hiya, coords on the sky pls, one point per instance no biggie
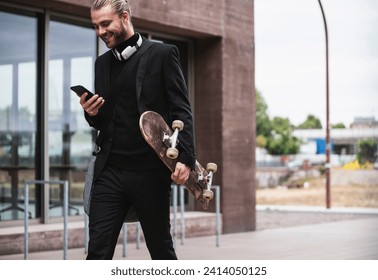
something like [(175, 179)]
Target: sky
[(290, 60)]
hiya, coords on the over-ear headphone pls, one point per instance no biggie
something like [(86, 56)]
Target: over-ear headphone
[(128, 51)]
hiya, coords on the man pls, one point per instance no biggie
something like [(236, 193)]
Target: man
[(134, 76)]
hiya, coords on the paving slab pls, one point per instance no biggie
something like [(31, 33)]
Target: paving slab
[(355, 239)]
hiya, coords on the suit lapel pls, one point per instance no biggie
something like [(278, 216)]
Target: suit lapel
[(141, 72), (105, 69)]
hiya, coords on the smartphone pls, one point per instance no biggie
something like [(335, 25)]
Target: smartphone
[(80, 90)]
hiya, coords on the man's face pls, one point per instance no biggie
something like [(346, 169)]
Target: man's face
[(110, 27)]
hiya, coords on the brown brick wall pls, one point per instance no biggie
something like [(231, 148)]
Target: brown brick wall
[(191, 17), (238, 113)]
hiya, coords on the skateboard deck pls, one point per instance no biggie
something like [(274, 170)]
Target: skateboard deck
[(154, 130)]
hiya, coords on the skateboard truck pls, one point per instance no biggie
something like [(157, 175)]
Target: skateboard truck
[(171, 141), (211, 169)]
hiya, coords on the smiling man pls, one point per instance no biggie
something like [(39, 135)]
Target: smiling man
[(134, 76)]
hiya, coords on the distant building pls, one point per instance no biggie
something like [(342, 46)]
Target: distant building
[(344, 143), (343, 140), (364, 122)]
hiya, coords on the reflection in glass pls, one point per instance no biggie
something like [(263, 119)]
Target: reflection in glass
[(17, 111), (72, 53)]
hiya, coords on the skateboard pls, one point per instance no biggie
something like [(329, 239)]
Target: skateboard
[(164, 139)]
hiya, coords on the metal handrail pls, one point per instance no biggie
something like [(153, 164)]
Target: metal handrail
[(65, 212)]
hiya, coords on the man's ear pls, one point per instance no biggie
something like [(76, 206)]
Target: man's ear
[(125, 16)]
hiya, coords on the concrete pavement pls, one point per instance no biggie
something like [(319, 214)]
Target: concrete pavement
[(338, 240)]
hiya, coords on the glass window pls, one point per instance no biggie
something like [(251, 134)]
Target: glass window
[(72, 51), (18, 35)]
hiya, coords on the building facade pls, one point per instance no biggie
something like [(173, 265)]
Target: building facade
[(47, 46)]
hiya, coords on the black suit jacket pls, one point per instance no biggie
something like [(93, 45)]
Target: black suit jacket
[(160, 87)]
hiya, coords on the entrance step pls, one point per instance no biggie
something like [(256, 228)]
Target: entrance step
[(45, 237)]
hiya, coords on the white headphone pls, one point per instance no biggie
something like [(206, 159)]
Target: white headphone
[(128, 51)]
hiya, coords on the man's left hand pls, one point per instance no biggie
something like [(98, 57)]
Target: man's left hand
[(181, 173)]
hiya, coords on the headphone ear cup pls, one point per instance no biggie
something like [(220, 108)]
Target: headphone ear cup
[(129, 51)]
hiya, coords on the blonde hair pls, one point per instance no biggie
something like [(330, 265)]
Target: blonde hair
[(118, 6)]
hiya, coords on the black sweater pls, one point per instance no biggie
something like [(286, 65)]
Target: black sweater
[(129, 150)]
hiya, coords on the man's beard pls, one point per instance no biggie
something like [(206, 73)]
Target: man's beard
[(119, 37)]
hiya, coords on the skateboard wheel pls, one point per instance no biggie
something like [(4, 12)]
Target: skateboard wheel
[(211, 167), (178, 124), (172, 153), (207, 194)]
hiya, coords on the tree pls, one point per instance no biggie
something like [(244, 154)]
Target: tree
[(263, 124), (274, 135), (282, 142), (338, 125), (261, 141), (311, 122), (367, 151)]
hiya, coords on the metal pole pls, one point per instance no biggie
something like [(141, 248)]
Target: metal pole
[(65, 219), (217, 214), (182, 206), (328, 144), (86, 233), (174, 215), (124, 229), (138, 235), (26, 210)]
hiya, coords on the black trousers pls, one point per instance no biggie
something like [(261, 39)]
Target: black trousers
[(114, 192)]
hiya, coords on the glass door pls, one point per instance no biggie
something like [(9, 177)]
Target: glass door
[(72, 51), (18, 35)]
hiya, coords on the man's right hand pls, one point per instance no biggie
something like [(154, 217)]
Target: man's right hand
[(92, 105)]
